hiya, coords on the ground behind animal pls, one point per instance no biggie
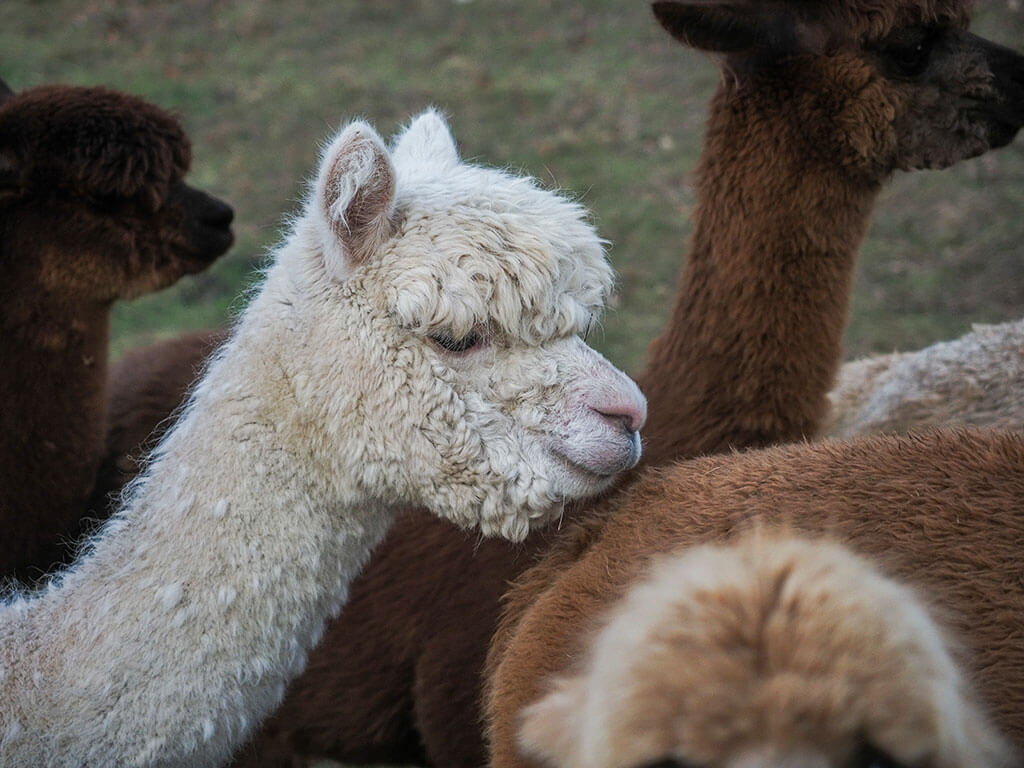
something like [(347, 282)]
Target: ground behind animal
[(591, 97)]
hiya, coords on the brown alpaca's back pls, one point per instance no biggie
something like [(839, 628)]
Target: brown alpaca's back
[(942, 511), (774, 649), (799, 142), (92, 209)]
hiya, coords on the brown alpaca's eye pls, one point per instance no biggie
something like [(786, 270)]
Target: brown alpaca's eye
[(461, 344), (908, 51), (667, 762), (870, 756)]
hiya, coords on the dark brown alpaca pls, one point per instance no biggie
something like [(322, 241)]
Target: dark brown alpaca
[(92, 209), (811, 118)]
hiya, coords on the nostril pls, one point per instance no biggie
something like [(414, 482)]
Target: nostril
[(218, 213), (629, 416)]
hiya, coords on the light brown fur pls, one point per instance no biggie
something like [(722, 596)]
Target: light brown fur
[(774, 650), (941, 511)]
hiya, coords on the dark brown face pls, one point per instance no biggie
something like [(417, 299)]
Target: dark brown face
[(91, 192), (872, 87), (956, 95)]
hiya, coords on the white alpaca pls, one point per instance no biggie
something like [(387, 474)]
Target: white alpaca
[(976, 380), (774, 651), (416, 342)]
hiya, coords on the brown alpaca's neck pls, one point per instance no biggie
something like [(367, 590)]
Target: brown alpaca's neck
[(755, 336), (53, 386)]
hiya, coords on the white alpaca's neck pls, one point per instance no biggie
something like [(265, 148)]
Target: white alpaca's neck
[(216, 579)]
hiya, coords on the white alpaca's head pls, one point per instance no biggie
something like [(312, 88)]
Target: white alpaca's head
[(447, 302), (771, 652)]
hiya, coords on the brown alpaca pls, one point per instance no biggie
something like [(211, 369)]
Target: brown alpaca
[(92, 209), (796, 151), (775, 650), (941, 511)]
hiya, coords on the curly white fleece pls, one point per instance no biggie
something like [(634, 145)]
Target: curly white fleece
[(329, 407)]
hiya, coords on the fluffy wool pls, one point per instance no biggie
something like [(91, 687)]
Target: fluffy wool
[(976, 380), (336, 399), (774, 650)]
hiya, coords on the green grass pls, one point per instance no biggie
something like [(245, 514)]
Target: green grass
[(591, 97)]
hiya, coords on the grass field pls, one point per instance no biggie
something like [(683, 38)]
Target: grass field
[(589, 96)]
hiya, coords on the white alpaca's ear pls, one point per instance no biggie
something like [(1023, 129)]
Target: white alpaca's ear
[(355, 193), (427, 139), (551, 728)]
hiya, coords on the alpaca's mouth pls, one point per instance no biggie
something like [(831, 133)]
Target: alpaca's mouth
[(579, 482), (598, 460)]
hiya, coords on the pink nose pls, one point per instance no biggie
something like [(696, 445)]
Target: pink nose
[(631, 413)]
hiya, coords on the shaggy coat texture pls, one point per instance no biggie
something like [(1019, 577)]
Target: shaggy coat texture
[(416, 341), (976, 380), (92, 209), (775, 651), (940, 511), (147, 386), (796, 150), (798, 144)]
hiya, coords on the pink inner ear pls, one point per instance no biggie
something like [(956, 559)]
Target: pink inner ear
[(369, 202), (358, 194)]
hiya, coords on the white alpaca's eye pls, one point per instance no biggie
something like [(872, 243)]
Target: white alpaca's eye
[(452, 344)]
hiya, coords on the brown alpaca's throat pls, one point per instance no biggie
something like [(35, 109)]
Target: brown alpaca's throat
[(62, 363), (764, 294)]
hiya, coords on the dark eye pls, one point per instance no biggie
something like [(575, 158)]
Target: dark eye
[(453, 344), (870, 756), (908, 51), (666, 762)]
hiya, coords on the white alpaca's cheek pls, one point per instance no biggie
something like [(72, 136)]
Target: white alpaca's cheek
[(578, 411)]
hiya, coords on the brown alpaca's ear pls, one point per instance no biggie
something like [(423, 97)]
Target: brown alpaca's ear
[(355, 193), (5, 92), (729, 27)]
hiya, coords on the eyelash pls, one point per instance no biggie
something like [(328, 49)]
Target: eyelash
[(463, 344)]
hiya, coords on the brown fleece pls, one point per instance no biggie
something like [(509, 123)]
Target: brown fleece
[(92, 209), (940, 510)]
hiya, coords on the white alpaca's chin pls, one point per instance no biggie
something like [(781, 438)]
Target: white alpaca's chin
[(598, 459), (572, 481)]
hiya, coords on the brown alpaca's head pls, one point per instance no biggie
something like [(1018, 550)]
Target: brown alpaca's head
[(771, 652), (875, 85), (92, 203)]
